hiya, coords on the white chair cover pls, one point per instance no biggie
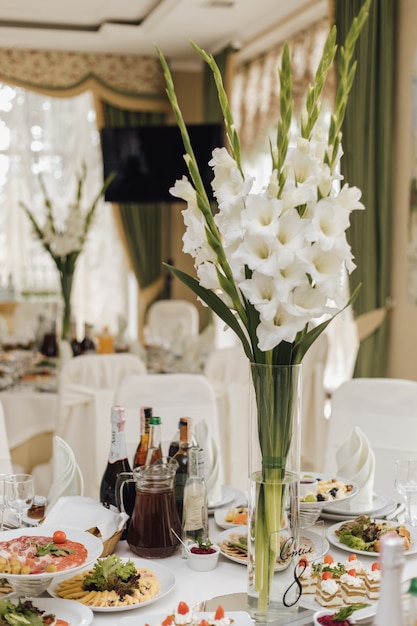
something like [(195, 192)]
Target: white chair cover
[(228, 371), (385, 409), (67, 476), (87, 387), (5, 459), (172, 396), (170, 322)]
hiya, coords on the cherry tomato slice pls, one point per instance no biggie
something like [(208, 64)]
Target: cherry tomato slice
[(219, 614), (183, 608)]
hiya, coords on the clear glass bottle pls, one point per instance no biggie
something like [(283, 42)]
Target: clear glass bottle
[(390, 609), (143, 445), (175, 441), (195, 509), (154, 450), (181, 457), (117, 461)]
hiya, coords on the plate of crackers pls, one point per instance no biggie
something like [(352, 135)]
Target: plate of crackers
[(116, 584), (233, 544)]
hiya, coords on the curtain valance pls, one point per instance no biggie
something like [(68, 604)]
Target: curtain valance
[(255, 94), (124, 80)]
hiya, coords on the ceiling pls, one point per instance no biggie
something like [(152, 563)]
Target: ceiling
[(135, 26)]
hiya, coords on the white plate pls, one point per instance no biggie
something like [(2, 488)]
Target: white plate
[(166, 579), (307, 601), (334, 539), (93, 544), (72, 612), (321, 545), (4, 596), (378, 503), (228, 495), (338, 517), (240, 618), (326, 503), (220, 518)]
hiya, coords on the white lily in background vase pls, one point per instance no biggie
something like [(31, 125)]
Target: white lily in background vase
[(270, 265), (65, 244)]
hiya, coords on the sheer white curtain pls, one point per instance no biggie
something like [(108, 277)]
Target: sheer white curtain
[(53, 136)]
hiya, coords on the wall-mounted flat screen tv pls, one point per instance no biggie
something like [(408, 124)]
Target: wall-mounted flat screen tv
[(149, 159)]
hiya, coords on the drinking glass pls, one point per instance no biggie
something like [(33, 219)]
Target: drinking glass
[(2, 499), (19, 493), (406, 485)]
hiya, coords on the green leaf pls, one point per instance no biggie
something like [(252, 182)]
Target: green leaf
[(215, 304), (346, 611)]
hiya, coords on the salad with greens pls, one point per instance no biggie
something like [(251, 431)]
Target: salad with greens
[(24, 613)]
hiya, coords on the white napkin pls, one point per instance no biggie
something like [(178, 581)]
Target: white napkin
[(212, 470), (356, 462), (85, 513)]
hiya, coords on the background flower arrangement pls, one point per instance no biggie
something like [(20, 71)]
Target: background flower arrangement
[(270, 264), (65, 243)]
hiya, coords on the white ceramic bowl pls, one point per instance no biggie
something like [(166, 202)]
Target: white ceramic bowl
[(318, 614), (203, 562)]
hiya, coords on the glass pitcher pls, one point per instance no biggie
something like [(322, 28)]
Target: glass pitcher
[(154, 515)]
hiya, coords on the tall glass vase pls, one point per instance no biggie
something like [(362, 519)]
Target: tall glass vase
[(66, 279), (274, 465)]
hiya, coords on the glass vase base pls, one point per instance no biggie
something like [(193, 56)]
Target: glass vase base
[(276, 612)]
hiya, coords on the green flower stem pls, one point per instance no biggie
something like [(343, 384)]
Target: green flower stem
[(276, 397), (66, 280)]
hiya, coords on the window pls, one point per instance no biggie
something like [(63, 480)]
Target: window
[(53, 136)]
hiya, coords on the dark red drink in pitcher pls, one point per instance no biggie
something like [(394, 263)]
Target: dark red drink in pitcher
[(155, 514)]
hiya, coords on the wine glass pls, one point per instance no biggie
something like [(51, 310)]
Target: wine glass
[(19, 493), (406, 485)]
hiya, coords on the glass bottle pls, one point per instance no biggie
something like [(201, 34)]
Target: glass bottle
[(182, 459), (75, 344), (175, 441), (49, 346), (154, 450), (117, 461), (105, 342), (87, 344), (195, 509), (143, 445), (390, 609)]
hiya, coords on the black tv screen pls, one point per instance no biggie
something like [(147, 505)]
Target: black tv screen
[(149, 159)]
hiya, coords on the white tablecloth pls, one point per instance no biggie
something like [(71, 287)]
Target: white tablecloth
[(28, 412), (228, 578)]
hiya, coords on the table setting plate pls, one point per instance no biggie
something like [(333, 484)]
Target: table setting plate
[(228, 495), (390, 504), (220, 517), (378, 503), (312, 541), (74, 613), (240, 618), (166, 579), (334, 540), (327, 503)]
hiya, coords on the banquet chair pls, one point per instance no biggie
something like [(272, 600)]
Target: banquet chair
[(172, 396), (86, 393), (5, 458), (67, 479), (385, 409), (170, 322)]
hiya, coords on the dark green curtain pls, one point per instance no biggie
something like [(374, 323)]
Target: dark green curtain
[(367, 144), (142, 223)]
